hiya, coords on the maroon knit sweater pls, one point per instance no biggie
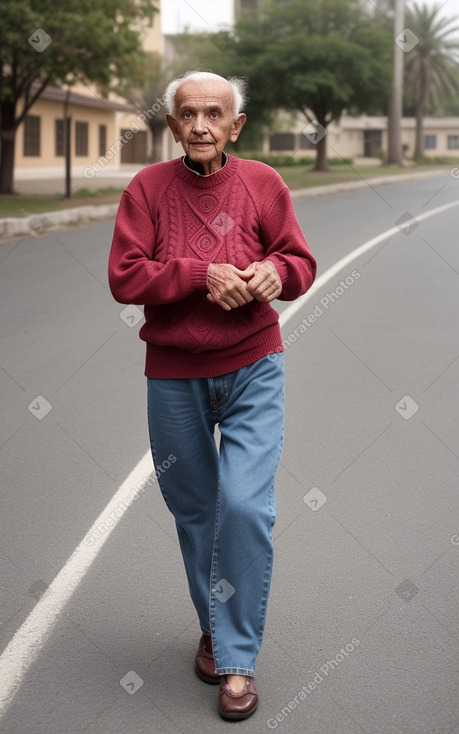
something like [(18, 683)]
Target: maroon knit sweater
[(171, 224)]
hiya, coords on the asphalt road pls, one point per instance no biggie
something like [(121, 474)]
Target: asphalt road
[(362, 632)]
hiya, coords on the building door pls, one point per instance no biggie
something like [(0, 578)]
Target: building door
[(372, 142), (135, 149)]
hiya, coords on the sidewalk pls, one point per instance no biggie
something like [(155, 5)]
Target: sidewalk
[(27, 181), (52, 181), (39, 224)]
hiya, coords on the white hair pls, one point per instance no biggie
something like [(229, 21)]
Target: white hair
[(238, 84)]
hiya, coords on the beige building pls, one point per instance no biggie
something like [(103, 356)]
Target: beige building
[(105, 132), (364, 137), (40, 140)]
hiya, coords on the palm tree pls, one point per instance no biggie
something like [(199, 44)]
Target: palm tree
[(431, 65)]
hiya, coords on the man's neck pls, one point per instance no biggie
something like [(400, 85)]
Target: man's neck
[(198, 168)]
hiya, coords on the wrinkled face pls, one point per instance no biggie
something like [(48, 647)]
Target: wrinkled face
[(204, 121)]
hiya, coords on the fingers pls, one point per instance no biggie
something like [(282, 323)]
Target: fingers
[(265, 284), (226, 287), (231, 288), (266, 292), (228, 302)]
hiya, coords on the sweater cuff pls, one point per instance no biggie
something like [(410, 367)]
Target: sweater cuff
[(199, 274)]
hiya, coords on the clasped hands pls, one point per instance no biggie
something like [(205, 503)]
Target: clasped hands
[(230, 287)]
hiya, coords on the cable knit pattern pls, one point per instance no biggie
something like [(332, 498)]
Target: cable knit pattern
[(170, 225)]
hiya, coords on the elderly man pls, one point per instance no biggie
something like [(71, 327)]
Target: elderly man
[(206, 242)]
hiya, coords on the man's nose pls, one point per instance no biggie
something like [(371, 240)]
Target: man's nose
[(200, 124)]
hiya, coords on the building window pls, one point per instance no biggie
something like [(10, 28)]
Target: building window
[(81, 138), (453, 142), (32, 135), (59, 138), (282, 141), (102, 139), (305, 143), (135, 148), (372, 143), (430, 142)]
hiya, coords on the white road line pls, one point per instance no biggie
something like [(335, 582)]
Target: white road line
[(29, 639), (323, 279), (32, 635)]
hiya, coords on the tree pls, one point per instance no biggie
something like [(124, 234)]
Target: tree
[(144, 96), (431, 65), (395, 112), (219, 52), (448, 105), (43, 43), (318, 57)]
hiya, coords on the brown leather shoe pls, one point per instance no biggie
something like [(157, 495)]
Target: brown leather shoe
[(204, 661), (237, 705)]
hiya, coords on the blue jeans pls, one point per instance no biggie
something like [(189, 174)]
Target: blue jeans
[(223, 498)]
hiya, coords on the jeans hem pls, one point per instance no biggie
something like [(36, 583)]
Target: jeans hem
[(236, 671)]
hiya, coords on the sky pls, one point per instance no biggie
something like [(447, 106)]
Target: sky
[(196, 14), (211, 14)]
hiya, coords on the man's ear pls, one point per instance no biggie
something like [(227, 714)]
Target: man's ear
[(173, 126), (238, 124)]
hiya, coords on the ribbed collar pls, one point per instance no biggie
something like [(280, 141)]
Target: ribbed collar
[(206, 182), (187, 162)]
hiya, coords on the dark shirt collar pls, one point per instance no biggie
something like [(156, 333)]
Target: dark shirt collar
[(187, 163)]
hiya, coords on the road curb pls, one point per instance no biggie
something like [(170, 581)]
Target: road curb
[(313, 191), (38, 224)]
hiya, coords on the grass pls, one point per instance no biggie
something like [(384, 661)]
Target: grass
[(24, 205), (299, 177)]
